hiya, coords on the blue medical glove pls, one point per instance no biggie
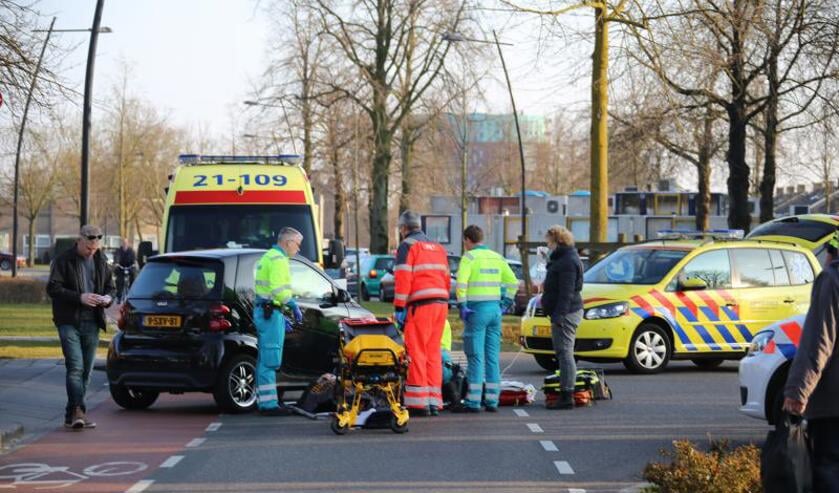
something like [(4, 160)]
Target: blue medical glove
[(298, 314), (464, 311), (399, 317), (289, 326), (506, 303)]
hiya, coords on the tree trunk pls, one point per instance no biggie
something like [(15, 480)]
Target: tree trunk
[(703, 168), (770, 144), (340, 198), (738, 169), (406, 152), (30, 257), (599, 130), (381, 169)]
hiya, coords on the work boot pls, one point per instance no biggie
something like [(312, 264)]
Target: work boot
[(275, 411), (492, 409), (78, 419), (416, 412), (566, 400), (463, 408), (433, 411)]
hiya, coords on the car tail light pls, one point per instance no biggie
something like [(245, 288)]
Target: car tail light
[(218, 317), (373, 274), (123, 316)]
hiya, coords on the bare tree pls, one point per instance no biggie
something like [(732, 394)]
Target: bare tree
[(372, 36)]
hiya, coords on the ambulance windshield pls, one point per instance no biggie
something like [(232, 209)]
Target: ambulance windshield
[(197, 227)]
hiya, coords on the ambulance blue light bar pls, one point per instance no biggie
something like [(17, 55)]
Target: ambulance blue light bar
[(288, 159), (720, 234)]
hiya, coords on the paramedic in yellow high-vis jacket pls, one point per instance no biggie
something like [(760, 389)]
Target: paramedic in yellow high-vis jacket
[(273, 290)]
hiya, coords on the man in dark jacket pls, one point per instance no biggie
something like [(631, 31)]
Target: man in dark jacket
[(561, 301), (813, 383), (80, 286), (125, 259)]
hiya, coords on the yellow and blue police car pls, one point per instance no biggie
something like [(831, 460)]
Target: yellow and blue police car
[(699, 297)]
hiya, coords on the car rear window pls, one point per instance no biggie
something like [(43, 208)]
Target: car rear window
[(384, 263), (797, 228), (179, 279)]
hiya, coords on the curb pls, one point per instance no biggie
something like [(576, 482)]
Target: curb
[(9, 435), (102, 342)]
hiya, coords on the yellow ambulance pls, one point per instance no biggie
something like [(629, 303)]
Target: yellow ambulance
[(680, 297), (239, 202)]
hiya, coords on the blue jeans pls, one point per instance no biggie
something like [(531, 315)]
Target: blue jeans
[(824, 436), (482, 345), (563, 333), (79, 347)]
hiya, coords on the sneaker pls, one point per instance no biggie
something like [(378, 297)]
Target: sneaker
[(416, 412), (275, 411), (461, 408), (68, 423), (78, 419), (89, 424)]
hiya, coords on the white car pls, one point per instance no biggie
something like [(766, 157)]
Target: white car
[(763, 372)]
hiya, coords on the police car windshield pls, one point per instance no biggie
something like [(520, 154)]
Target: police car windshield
[(197, 227), (634, 266), (804, 229)]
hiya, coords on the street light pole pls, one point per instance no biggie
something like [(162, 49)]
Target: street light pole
[(88, 90), (285, 117), (523, 239), (20, 145)]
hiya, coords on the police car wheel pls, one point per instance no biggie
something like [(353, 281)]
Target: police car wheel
[(649, 350), (235, 390), (364, 294), (129, 398)]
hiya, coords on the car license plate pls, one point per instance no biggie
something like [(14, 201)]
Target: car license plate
[(541, 331), (162, 321)]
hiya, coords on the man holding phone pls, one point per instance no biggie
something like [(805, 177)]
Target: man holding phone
[(81, 287)]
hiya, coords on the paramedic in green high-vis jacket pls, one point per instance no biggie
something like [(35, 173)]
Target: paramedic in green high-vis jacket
[(273, 291), (486, 286)]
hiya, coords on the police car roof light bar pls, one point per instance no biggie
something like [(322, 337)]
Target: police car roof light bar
[(287, 159), (718, 234)]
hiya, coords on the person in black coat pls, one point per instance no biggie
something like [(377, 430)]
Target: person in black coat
[(81, 287), (562, 302)]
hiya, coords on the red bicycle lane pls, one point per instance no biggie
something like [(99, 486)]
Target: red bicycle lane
[(124, 448)]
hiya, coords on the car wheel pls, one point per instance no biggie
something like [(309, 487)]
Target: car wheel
[(235, 390), (707, 364), (5, 264), (364, 294), (649, 350), (129, 398), (546, 361)]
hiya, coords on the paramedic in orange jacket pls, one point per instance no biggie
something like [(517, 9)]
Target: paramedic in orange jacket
[(421, 306)]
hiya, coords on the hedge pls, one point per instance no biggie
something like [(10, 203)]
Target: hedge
[(21, 290)]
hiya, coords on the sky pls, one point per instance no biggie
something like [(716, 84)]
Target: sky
[(197, 59)]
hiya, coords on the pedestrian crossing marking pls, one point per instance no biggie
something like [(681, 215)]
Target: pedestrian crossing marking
[(213, 426), (535, 428), (140, 486), (172, 461), (563, 467), (196, 442), (549, 446), (521, 413)]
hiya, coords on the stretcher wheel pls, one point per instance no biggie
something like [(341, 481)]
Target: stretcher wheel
[(337, 428), (394, 425)]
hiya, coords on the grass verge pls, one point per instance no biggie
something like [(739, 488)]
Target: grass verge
[(31, 319), (37, 349)]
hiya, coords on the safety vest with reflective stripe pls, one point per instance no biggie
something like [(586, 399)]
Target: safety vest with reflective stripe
[(273, 279), (421, 271), (446, 340), (484, 275)]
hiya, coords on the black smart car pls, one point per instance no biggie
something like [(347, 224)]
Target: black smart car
[(187, 326)]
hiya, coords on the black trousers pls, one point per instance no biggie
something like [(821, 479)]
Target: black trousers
[(824, 436)]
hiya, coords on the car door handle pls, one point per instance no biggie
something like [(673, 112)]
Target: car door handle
[(731, 305), (789, 300)]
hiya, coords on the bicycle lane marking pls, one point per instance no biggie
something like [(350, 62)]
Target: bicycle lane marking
[(125, 448)]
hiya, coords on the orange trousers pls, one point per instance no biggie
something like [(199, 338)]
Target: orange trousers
[(423, 331)]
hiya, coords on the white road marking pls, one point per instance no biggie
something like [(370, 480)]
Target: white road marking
[(521, 413), (213, 426), (576, 490), (535, 428), (563, 467), (196, 442), (549, 446), (140, 486), (172, 461)]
